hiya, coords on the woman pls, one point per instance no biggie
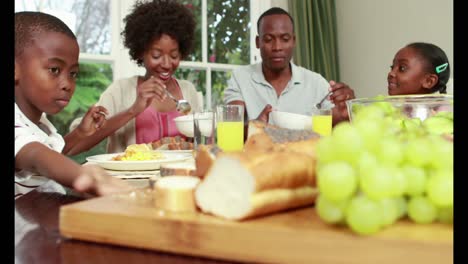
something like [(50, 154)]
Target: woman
[(158, 34)]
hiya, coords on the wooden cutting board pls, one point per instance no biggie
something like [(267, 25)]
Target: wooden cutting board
[(295, 236)]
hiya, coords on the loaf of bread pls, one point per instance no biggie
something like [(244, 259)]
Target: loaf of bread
[(242, 185), (267, 137), (175, 193), (205, 155)]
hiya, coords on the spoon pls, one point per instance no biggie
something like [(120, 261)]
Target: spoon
[(319, 104), (182, 106)]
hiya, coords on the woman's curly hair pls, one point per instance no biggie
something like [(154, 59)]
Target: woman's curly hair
[(149, 20)]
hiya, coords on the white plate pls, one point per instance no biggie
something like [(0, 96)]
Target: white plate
[(105, 161), (179, 151)]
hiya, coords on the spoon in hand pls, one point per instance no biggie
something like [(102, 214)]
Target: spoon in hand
[(182, 106), (319, 104)]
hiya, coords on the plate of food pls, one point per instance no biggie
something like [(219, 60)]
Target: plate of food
[(138, 157), (177, 151)]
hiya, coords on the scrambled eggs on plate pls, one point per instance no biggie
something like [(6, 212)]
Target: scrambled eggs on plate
[(139, 152)]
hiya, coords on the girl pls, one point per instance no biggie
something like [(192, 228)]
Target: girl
[(419, 68)]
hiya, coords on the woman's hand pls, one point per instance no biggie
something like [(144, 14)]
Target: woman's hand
[(149, 90)]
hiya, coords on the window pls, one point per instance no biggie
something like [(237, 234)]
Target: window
[(225, 40)]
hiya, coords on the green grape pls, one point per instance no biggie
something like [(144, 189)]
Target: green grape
[(348, 142), (325, 150), (445, 114), (417, 152), (377, 183), (392, 126), (331, 212), (371, 133), (438, 125), (386, 107), (421, 210), (440, 188), (416, 179), (363, 215), (337, 181), (441, 154), (412, 125), (369, 113), (402, 206), (390, 151), (379, 97), (445, 214), (367, 162), (356, 108), (399, 184), (390, 211)]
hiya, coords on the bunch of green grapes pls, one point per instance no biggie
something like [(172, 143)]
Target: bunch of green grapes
[(382, 167)]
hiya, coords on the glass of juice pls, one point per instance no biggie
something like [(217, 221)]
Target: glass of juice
[(230, 127), (322, 121)]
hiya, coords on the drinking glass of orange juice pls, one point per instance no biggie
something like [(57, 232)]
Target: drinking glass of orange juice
[(230, 127), (322, 121)]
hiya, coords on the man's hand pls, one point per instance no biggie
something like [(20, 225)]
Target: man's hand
[(341, 92), (263, 116)]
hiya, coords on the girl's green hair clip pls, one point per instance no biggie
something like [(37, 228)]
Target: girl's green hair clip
[(441, 67)]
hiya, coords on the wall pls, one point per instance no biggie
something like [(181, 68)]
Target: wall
[(370, 32)]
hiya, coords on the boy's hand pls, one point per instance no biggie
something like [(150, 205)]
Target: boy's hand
[(93, 120), (95, 180)]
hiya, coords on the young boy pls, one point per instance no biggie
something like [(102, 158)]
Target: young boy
[(46, 65)]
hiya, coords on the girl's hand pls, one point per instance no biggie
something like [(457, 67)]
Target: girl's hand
[(92, 121), (151, 89)]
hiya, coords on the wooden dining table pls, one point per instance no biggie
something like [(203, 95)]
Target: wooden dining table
[(44, 215), (38, 240)]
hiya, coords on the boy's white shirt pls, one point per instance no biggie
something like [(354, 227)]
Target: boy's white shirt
[(25, 133)]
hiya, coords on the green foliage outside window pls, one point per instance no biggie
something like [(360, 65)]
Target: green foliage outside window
[(228, 42), (92, 80)]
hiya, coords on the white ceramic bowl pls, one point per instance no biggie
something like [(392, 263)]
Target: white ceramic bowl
[(291, 120), (185, 124)]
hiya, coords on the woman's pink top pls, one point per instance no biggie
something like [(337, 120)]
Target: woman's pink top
[(152, 125)]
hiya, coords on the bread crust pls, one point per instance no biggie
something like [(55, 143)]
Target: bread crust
[(276, 200), (266, 137), (285, 169)]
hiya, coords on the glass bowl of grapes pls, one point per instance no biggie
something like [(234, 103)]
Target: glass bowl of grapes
[(411, 106), (392, 162), (434, 111)]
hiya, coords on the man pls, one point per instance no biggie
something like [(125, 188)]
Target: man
[(276, 82)]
